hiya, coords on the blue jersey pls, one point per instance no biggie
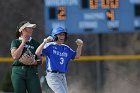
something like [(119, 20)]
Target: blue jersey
[(57, 56)]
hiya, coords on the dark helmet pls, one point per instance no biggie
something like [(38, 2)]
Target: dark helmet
[(58, 30)]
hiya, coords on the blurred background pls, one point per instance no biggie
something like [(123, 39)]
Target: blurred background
[(110, 30)]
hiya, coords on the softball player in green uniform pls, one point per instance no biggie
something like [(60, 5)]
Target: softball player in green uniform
[(24, 68)]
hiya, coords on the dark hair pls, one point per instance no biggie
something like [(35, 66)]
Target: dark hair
[(18, 34)]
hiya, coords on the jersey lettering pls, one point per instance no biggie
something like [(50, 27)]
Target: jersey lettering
[(63, 54), (29, 46)]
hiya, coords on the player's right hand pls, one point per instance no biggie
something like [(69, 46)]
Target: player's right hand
[(48, 39), (25, 38)]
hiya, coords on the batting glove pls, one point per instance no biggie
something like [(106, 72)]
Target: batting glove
[(79, 42), (48, 39)]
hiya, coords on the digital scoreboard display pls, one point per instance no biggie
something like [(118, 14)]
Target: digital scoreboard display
[(92, 16)]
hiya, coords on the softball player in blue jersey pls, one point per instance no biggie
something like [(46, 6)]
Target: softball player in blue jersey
[(58, 55)]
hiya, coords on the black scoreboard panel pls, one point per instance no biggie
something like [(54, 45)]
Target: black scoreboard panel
[(92, 16)]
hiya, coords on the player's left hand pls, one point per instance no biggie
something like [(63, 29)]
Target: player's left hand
[(79, 42), (27, 59)]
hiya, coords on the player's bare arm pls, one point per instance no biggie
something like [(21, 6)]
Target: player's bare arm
[(16, 53), (39, 49), (79, 43)]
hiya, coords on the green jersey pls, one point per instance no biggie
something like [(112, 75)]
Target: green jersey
[(31, 45)]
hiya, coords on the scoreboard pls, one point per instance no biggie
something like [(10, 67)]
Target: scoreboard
[(92, 16)]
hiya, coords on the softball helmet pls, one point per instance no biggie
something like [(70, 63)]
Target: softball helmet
[(58, 30)]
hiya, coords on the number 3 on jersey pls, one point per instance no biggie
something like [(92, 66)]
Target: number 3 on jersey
[(61, 60)]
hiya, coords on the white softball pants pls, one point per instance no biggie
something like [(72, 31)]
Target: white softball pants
[(57, 82)]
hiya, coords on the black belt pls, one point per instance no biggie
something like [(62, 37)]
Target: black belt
[(54, 71)]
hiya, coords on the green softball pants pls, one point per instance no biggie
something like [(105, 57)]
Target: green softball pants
[(25, 78)]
